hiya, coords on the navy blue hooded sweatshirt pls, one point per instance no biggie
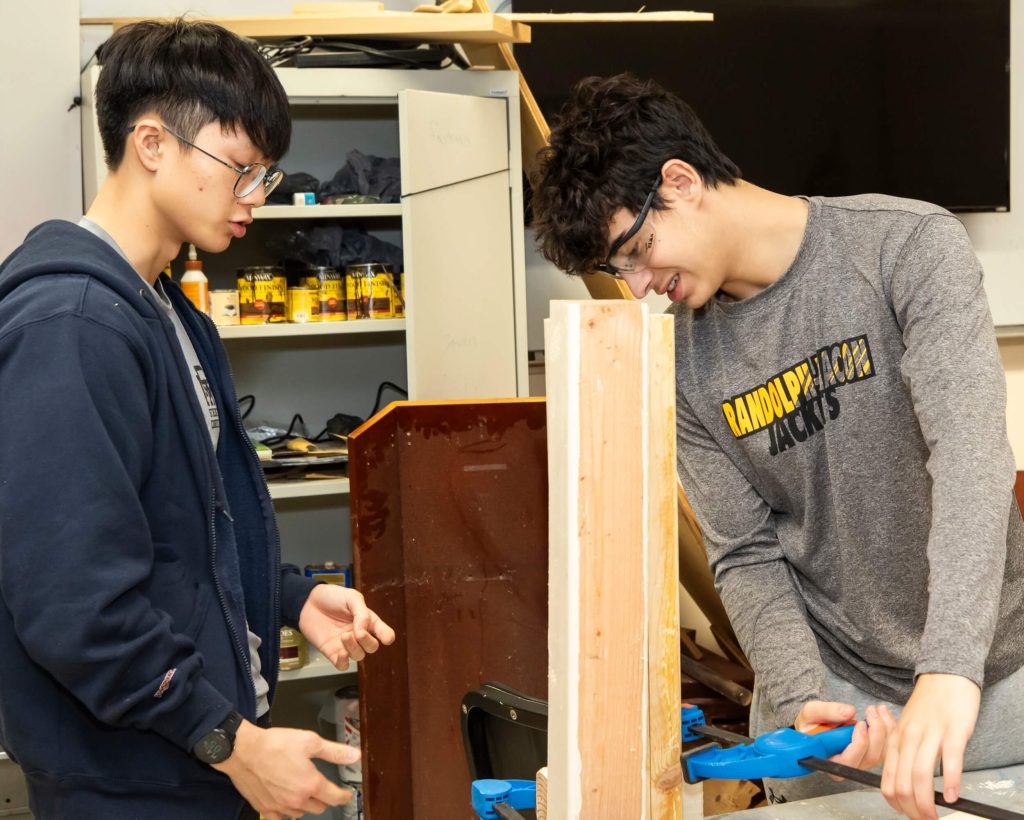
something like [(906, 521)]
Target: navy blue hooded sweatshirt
[(131, 555)]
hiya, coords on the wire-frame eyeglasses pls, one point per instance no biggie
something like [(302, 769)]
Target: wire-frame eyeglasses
[(249, 177)]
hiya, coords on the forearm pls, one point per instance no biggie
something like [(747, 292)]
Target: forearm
[(771, 624)]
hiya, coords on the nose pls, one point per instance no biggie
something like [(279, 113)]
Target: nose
[(255, 198), (638, 282)]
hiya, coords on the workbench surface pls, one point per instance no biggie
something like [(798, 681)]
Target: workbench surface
[(995, 787)]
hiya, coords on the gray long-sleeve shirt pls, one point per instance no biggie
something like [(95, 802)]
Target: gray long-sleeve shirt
[(842, 439)]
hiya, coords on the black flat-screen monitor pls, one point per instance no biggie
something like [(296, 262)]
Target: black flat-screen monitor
[(833, 97)]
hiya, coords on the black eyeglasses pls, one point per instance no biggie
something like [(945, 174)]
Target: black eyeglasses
[(249, 177), (630, 262)]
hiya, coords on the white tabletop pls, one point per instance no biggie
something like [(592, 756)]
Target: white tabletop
[(1003, 788)]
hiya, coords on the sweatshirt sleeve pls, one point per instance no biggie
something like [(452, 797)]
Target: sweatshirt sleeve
[(751, 574), (75, 545), (958, 388)]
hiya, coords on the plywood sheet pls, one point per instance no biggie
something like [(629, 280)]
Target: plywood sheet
[(450, 543)]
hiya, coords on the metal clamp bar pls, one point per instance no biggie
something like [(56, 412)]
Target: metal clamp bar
[(872, 779)]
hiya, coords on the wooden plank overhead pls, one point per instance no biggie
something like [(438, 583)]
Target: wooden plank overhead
[(395, 25), (613, 17)]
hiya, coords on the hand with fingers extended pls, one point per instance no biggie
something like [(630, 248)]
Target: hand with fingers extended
[(938, 720), (337, 621), (867, 746), (273, 769)]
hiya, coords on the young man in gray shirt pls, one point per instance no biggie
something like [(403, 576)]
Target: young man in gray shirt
[(841, 431)]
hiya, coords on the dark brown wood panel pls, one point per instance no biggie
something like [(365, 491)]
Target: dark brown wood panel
[(449, 516)]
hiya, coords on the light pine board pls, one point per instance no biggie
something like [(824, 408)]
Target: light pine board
[(394, 25), (604, 528), (663, 672)]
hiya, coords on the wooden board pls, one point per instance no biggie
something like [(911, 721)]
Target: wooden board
[(663, 673), (395, 25), (614, 17), (450, 544), (613, 694)]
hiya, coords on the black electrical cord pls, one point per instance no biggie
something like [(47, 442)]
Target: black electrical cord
[(279, 53), (380, 392), (251, 399), (296, 420)]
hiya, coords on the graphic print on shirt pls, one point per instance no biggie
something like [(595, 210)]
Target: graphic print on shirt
[(212, 413), (798, 402)]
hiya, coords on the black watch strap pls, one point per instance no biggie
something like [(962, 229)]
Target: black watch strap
[(231, 723), (217, 745)]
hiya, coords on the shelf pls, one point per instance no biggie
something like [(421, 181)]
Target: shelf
[(302, 488), (394, 25), (325, 211), (282, 329), (318, 667)]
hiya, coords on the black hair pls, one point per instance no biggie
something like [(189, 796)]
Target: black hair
[(190, 73), (606, 151)]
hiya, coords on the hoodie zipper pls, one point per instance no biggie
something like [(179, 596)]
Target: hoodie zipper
[(242, 651), (273, 639)]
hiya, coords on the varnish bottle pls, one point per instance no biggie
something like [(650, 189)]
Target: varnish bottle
[(194, 282)]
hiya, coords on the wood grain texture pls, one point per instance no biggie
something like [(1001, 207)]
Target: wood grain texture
[(613, 17), (393, 25), (662, 573), (597, 610), (542, 794), (613, 610), (613, 728), (561, 345)]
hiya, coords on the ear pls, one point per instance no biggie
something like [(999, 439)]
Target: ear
[(681, 181), (148, 142)]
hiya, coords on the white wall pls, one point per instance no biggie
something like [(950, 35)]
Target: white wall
[(999, 238), (39, 140)]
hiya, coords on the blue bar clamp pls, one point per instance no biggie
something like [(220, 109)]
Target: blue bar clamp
[(516, 794)]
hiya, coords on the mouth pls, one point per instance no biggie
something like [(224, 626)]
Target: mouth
[(238, 228), (671, 287)]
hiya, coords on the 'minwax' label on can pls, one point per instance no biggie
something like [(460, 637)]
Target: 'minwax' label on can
[(262, 295), (329, 284), (371, 289)]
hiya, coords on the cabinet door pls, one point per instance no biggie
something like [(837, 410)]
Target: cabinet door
[(457, 233)]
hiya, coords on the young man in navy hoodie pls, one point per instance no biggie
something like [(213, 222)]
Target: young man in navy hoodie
[(141, 589)]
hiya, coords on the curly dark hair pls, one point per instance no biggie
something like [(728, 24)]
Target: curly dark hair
[(606, 150)]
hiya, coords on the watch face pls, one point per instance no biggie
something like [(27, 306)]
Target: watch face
[(214, 747)]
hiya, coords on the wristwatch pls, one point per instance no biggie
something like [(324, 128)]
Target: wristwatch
[(217, 744)]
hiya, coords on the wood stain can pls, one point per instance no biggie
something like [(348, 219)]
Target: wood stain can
[(294, 652), (262, 295), (303, 305), (224, 307), (398, 283), (329, 285), (371, 288)]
